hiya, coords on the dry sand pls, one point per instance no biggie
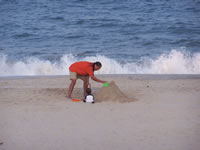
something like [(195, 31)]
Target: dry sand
[(160, 112), (111, 93)]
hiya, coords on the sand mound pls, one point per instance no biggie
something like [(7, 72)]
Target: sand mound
[(111, 93)]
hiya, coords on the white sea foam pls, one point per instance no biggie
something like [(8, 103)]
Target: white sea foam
[(175, 62)]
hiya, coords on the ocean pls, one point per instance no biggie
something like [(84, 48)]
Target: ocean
[(44, 37)]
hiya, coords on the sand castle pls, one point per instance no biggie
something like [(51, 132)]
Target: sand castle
[(111, 93)]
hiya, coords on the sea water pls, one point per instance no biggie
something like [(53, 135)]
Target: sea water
[(44, 37)]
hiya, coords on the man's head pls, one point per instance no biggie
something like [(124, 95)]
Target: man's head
[(96, 66)]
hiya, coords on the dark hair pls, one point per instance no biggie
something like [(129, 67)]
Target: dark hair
[(88, 90), (96, 63)]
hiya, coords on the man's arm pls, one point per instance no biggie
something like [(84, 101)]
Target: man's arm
[(97, 80)]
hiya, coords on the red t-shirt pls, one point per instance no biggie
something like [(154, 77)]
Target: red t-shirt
[(82, 68)]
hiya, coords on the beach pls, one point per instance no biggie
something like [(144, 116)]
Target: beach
[(150, 56), (162, 113)]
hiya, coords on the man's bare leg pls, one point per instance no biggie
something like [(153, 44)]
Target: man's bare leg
[(71, 87), (85, 83)]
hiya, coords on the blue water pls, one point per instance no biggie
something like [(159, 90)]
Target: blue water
[(43, 37)]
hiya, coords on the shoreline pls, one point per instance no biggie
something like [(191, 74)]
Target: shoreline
[(136, 76)]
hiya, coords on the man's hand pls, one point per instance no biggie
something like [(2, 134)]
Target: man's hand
[(97, 80)]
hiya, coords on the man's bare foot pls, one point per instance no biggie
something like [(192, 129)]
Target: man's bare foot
[(68, 97)]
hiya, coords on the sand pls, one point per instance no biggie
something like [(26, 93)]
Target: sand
[(111, 93), (162, 113)]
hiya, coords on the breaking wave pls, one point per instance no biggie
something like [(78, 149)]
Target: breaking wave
[(174, 62)]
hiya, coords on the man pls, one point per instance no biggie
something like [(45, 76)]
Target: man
[(82, 70)]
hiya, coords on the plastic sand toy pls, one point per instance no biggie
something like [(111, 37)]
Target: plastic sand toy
[(75, 100), (106, 84)]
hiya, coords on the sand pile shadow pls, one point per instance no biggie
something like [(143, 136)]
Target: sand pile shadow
[(111, 93)]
